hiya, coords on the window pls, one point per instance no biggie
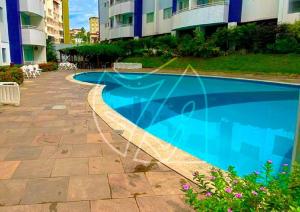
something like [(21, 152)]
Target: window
[(1, 14), (294, 6), (168, 13), (183, 4), (150, 17), (4, 59), (111, 22)]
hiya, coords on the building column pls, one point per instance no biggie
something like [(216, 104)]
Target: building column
[(138, 18), (14, 31), (232, 25)]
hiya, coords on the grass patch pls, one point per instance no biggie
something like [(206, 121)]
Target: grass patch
[(148, 62), (250, 63)]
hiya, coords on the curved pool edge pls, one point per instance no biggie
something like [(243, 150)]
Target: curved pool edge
[(174, 158)]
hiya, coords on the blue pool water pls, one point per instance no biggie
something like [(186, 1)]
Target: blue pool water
[(221, 121)]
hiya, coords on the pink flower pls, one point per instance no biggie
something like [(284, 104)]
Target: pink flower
[(229, 210), (269, 161), (208, 194), (285, 164), (235, 181), (195, 174), (228, 190), (254, 193), (212, 178), (262, 188), (239, 195), (256, 172), (186, 187)]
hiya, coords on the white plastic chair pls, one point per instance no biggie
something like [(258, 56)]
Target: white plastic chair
[(25, 71), (37, 69), (32, 71)]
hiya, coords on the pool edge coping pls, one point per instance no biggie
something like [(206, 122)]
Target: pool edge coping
[(159, 149)]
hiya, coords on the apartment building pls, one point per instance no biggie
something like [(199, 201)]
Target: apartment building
[(26, 31), (4, 39), (94, 29), (54, 20), (139, 18)]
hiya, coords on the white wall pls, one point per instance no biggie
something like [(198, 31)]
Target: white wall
[(4, 39), (283, 14), (202, 16), (33, 37), (256, 10), (40, 54), (121, 8), (33, 6)]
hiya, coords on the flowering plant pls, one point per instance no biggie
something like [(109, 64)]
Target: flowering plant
[(263, 191)]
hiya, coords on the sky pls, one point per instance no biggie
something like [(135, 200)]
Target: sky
[(81, 11)]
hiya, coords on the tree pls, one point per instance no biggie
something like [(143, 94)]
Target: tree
[(50, 51)]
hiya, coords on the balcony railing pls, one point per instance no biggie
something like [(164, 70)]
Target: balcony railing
[(119, 2), (210, 4)]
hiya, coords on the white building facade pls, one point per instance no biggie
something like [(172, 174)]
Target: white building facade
[(140, 18), (4, 45)]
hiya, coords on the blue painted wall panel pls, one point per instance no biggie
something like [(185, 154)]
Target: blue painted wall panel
[(138, 18), (235, 10), (174, 6), (14, 31)]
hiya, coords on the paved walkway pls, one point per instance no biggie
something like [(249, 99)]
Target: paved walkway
[(52, 157)]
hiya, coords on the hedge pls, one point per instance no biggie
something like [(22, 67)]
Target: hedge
[(11, 74), (48, 66)]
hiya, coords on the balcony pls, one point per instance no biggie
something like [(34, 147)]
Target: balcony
[(32, 6), (31, 35), (121, 7), (215, 12), (125, 31)]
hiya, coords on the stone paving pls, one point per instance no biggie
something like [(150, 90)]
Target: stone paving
[(52, 157)]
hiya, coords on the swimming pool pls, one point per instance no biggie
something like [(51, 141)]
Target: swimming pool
[(221, 121)]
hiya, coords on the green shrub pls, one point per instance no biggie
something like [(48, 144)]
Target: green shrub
[(256, 192), (284, 45), (48, 66), (11, 74)]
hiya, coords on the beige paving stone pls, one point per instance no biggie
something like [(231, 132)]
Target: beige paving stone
[(63, 151), (102, 165), (83, 206), (129, 185), (163, 203), (24, 153), (74, 139), (34, 169), (48, 152), (86, 150), (7, 169), (114, 205), (11, 191), (90, 187), (70, 167), (138, 165), (46, 139), (46, 190), (22, 208), (164, 183), (94, 138), (3, 153)]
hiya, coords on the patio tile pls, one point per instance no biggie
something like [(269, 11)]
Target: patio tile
[(24, 153), (7, 169), (114, 205), (34, 169), (63, 151), (94, 138), (86, 150), (74, 139), (45, 139), (83, 206), (22, 208), (163, 203), (11, 191), (164, 183), (46, 190), (90, 187), (132, 165), (3, 153), (70, 167), (100, 165), (48, 152), (129, 185)]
